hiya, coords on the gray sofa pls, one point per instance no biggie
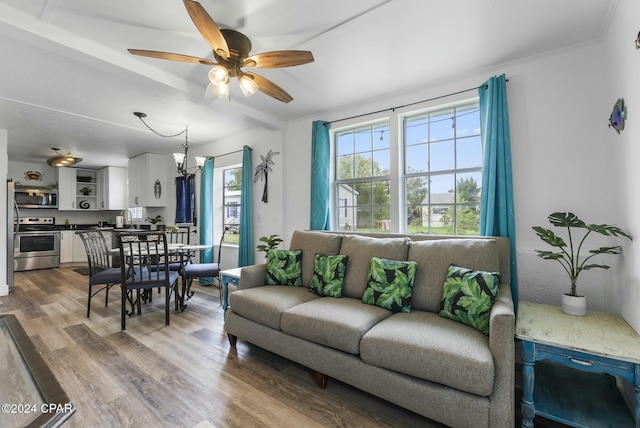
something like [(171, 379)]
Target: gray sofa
[(434, 366)]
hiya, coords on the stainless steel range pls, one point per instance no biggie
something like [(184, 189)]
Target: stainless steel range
[(36, 244)]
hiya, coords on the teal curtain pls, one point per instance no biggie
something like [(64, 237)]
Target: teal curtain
[(206, 215), (320, 167), (245, 251), (497, 215)]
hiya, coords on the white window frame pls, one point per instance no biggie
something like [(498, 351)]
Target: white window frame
[(395, 118)]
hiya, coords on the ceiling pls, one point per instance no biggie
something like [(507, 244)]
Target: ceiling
[(68, 81)]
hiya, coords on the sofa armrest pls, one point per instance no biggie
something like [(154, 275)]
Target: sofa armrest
[(502, 321), (502, 344), (252, 276)]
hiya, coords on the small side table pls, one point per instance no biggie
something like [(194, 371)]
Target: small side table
[(228, 277), (566, 363)]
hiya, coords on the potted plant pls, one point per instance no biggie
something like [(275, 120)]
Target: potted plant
[(86, 191), (154, 221), (571, 257), (270, 242)]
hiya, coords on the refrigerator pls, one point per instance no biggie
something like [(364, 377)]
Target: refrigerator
[(12, 222)]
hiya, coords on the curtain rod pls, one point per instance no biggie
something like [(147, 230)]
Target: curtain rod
[(227, 154), (408, 105)]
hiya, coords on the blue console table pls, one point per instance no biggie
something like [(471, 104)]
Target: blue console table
[(570, 365), (229, 277)]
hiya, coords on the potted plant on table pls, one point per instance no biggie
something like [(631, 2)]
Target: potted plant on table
[(569, 255), (154, 221)]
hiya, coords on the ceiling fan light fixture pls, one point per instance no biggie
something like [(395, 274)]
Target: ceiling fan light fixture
[(221, 91), (247, 85), (219, 75)]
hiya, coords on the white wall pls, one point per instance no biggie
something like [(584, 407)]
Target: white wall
[(562, 161), (268, 217), (4, 168), (621, 63)]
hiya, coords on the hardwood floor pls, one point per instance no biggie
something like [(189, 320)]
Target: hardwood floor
[(181, 375)]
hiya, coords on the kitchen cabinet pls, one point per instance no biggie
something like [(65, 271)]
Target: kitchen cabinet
[(148, 180), (112, 192), (79, 252), (66, 246), (72, 248), (77, 189)]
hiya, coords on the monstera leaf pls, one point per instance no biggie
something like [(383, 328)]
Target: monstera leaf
[(569, 255)]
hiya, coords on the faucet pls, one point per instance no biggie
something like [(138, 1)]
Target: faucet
[(127, 217)]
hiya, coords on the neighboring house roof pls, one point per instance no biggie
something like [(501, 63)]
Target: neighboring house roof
[(438, 198)]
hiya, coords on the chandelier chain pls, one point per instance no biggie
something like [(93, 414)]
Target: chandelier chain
[(185, 131)]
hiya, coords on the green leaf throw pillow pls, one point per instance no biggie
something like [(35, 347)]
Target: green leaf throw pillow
[(328, 275), (390, 284), (468, 296), (284, 267)]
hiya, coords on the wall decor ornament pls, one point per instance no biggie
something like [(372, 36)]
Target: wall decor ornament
[(618, 115), (33, 175), (262, 171), (638, 41)]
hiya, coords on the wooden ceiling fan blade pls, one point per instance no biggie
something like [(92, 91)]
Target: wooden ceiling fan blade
[(207, 27), (270, 88), (170, 56), (278, 59)]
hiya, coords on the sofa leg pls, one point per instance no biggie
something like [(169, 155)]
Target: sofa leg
[(232, 340), (321, 380)]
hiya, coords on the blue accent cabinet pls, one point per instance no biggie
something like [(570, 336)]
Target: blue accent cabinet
[(575, 368)]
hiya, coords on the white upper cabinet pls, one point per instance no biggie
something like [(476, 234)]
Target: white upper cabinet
[(112, 182), (77, 189), (148, 180)]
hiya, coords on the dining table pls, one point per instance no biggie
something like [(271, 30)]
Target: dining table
[(185, 252)]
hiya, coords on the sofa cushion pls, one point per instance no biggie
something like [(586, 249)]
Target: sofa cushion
[(434, 258), (432, 348), (265, 304), (284, 267), (337, 323), (312, 243), (468, 296), (361, 250), (389, 284), (328, 275)]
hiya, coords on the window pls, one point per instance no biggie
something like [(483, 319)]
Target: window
[(436, 177), (362, 159), (231, 193), (443, 171)]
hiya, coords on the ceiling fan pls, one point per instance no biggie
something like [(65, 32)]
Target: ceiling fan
[(231, 51)]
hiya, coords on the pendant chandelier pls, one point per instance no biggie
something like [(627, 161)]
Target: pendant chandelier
[(61, 160), (181, 159)]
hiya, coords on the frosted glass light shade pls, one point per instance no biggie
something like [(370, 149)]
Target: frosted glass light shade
[(247, 85), (178, 158), (218, 75)]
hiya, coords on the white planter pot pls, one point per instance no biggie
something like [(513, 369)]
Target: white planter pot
[(574, 305), (153, 227)]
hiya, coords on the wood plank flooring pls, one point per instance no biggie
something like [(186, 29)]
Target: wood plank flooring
[(181, 375)]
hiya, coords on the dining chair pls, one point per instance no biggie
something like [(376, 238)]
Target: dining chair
[(99, 260), (143, 266), (192, 271), (181, 235)]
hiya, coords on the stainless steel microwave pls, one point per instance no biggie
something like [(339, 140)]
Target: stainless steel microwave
[(36, 198)]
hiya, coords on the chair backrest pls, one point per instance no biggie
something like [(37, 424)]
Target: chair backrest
[(182, 235), (97, 250), (143, 258)]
